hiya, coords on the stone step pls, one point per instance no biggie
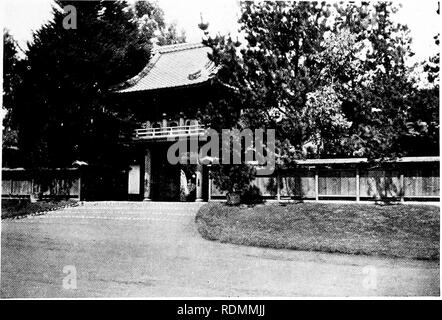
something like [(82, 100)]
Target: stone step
[(134, 207), (138, 204)]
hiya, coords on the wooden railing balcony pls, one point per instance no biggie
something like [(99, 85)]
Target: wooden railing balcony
[(169, 132)]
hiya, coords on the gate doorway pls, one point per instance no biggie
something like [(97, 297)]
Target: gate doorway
[(171, 182), (165, 179), (188, 182)]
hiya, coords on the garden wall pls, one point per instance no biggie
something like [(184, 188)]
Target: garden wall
[(410, 178), (47, 183)]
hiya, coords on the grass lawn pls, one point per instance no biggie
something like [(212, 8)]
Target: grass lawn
[(14, 208), (408, 231)]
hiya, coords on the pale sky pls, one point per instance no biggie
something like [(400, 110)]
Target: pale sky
[(21, 17)]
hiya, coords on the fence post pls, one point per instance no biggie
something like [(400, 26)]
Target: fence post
[(79, 184), (278, 191), (401, 182), (210, 188), (358, 197), (317, 184), (32, 196), (199, 183)]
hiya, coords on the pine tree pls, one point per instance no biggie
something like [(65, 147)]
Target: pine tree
[(64, 104), (331, 76), (11, 79)]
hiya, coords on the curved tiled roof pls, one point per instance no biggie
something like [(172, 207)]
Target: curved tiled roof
[(171, 66)]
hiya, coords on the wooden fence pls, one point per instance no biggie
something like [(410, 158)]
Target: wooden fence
[(416, 178), (410, 178), (49, 183)]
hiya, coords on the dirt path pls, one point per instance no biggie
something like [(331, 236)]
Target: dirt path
[(153, 250)]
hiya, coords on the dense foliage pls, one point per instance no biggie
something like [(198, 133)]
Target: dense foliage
[(233, 178), (333, 81), (11, 79), (62, 109)]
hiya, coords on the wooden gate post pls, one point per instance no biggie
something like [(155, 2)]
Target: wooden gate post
[(278, 189), (147, 175), (79, 185), (358, 195), (209, 196), (199, 183), (402, 186), (316, 184)]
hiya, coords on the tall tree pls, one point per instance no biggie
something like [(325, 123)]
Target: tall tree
[(150, 19), (332, 77), (10, 69), (377, 99), (11, 79), (423, 128), (64, 109)]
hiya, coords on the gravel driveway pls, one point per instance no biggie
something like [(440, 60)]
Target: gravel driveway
[(119, 249)]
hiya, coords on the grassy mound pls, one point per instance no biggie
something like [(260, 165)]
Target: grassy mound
[(408, 231), (14, 208)]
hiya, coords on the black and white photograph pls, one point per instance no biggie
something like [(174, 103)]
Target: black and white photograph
[(223, 149)]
